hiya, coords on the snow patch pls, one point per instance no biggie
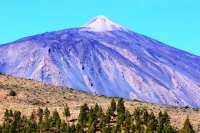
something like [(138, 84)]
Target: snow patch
[(101, 24)]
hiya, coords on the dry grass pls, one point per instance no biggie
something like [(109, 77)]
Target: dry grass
[(33, 94)]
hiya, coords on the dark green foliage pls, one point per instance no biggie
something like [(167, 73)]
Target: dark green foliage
[(151, 125), (112, 107), (46, 114), (99, 112), (92, 117), (108, 116), (55, 116), (83, 115), (116, 129), (92, 128), (40, 115), (106, 129), (164, 123), (187, 128), (137, 114), (102, 122), (12, 93), (79, 128), (96, 108), (120, 106), (91, 120), (120, 119), (73, 129), (127, 119), (66, 111), (145, 116)]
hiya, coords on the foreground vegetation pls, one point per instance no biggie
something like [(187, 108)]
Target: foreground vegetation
[(90, 120)]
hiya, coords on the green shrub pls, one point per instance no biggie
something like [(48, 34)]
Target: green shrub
[(12, 93)]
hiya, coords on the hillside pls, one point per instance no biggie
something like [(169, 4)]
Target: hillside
[(33, 94)]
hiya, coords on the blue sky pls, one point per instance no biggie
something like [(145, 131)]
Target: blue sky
[(174, 22)]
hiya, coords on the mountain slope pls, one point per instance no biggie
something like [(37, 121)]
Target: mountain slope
[(111, 60)]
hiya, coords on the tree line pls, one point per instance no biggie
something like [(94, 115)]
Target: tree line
[(116, 119)]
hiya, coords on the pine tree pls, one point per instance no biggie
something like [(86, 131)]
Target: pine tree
[(151, 123), (168, 129), (127, 117), (151, 126), (113, 129), (166, 118), (46, 113), (137, 113), (63, 126), (45, 126), (108, 116), (92, 128), (120, 119), (120, 106), (40, 115), (55, 116), (83, 115), (13, 128), (163, 125), (66, 111), (112, 107), (107, 129), (79, 128), (57, 126), (68, 129), (99, 112), (73, 129), (187, 128), (127, 129), (145, 116), (163, 119), (6, 116), (17, 118), (138, 127), (31, 125), (142, 129), (5, 129), (92, 117), (116, 129), (96, 108), (10, 113), (102, 122), (56, 121), (127, 122), (133, 128)]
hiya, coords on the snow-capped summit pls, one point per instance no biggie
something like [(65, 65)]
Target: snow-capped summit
[(101, 24)]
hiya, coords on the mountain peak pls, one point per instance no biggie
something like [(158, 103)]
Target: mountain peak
[(101, 24)]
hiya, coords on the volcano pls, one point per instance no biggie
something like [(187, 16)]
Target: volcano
[(103, 57)]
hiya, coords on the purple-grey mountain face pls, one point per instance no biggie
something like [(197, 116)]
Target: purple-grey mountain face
[(103, 57)]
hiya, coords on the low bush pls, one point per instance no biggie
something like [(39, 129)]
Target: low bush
[(12, 93)]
